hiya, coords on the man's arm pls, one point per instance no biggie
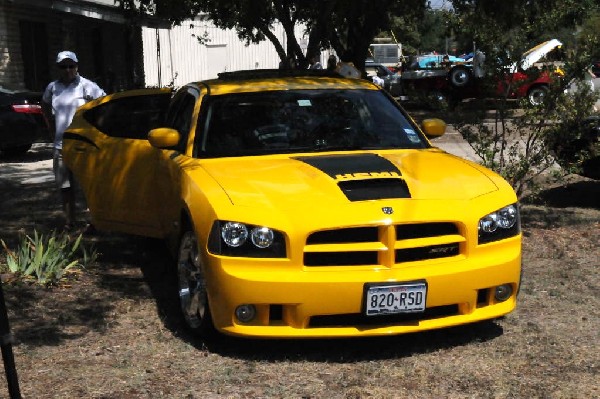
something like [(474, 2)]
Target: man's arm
[(49, 118)]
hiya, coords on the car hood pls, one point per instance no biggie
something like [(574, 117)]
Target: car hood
[(536, 53), (283, 182)]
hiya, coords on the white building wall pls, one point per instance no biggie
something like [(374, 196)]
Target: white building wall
[(182, 59)]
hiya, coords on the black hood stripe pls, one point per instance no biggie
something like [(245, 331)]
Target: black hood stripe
[(362, 177), (339, 166)]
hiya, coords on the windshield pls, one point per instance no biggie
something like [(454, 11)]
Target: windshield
[(304, 121)]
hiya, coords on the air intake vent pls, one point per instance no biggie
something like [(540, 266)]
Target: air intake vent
[(374, 189), (345, 235), (357, 320)]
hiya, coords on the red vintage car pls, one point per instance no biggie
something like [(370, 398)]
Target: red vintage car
[(454, 82)]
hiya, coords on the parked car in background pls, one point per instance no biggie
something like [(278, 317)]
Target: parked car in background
[(458, 79), (300, 204), (595, 67), (21, 121), (392, 82)]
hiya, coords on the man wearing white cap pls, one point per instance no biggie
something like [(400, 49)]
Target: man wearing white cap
[(60, 101)]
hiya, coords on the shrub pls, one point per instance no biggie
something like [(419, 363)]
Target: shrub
[(522, 144), (47, 258)]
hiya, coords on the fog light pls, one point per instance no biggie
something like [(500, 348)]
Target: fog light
[(245, 313), (503, 292)]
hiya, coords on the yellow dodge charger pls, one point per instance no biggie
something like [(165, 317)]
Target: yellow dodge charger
[(300, 204)]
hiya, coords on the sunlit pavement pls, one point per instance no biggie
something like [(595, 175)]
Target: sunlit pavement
[(34, 167), (453, 143)]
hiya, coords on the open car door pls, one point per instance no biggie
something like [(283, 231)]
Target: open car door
[(107, 149)]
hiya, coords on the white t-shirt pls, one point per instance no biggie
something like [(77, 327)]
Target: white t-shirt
[(378, 81), (65, 99)]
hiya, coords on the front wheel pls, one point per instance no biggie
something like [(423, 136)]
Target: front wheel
[(536, 95), (193, 296)]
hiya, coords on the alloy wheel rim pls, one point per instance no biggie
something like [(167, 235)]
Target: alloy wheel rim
[(192, 287), (537, 97)]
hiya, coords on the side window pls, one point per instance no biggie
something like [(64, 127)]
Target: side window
[(181, 113), (183, 120), (129, 117)]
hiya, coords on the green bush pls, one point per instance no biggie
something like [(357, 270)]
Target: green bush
[(48, 258)]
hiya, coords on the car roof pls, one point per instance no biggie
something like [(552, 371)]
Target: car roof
[(277, 79)]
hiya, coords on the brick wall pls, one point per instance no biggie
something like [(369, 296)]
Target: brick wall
[(109, 53)]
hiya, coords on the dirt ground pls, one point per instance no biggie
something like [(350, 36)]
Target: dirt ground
[(115, 332)]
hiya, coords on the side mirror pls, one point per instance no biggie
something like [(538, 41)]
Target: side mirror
[(433, 127), (163, 137)]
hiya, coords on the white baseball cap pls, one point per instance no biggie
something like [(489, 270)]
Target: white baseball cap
[(63, 55)]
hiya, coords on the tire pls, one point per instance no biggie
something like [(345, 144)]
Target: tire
[(191, 286), (536, 95), (460, 76)]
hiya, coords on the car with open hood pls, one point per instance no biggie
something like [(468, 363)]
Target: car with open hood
[(300, 204), (430, 78)]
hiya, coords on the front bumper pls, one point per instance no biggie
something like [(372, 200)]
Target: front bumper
[(313, 302)]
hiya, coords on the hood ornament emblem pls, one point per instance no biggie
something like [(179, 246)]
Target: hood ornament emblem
[(388, 210)]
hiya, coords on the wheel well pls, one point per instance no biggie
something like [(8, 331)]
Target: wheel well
[(185, 220), (536, 86), (175, 234)]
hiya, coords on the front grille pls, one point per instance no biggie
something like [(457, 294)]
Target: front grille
[(357, 320), (407, 231), (340, 258), (430, 252), (351, 234), (383, 245)]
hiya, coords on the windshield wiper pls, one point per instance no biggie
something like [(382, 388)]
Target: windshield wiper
[(341, 147)]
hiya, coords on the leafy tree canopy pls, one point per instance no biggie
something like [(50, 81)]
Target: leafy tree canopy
[(516, 25), (347, 26)]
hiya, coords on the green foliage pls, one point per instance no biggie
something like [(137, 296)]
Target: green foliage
[(517, 23), (511, 144), (522, 143), (348, 27), (47, 259), (572, 139)]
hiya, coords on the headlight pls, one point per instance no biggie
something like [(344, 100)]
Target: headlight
[(498, 225), (262, 237), (244, 240), (234, 234)]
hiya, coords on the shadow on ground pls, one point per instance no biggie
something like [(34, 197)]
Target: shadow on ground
[(352, 349), (39, 152), (582, 194)]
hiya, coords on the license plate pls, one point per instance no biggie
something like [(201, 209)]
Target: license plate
[(380, 299)]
